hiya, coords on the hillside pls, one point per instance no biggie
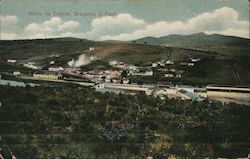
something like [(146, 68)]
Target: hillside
[(23, 49), (222, 68), (226, 45)]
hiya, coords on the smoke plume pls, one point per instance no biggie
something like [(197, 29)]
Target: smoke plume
[(82, 60)]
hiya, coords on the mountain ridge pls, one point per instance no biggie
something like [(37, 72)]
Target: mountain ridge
[(201, 41)]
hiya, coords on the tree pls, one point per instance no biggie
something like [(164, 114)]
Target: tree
[(124, 74)]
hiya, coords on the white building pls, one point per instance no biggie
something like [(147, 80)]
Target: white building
[(71, 70), (185, 87), (116, 80), (112, 74), (56, 68), (52, 62), (161, 64), (107, 80), (178, 75), (168, 62), (132, 67), (11, 61), (195, 59), (170, 90), (16, 73), (112, 63), (169, 75), (172, 70), (91, 49), (125, 81), (183, 63), (154, 64), (190, 64), (32, 66), (146, 73), (123, 66)]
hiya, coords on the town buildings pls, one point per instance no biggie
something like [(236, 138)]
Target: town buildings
[(56, 68), (44, 74), (142, 73)]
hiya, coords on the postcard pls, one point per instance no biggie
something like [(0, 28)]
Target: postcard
[(124, 79)]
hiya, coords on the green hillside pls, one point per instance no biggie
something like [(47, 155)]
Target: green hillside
[(226, 45), (226, 67), (23, 49)]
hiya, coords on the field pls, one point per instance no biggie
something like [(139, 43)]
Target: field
[(68, 121), (73, 122)]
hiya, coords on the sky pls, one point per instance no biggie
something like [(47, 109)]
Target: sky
[(121, 19)]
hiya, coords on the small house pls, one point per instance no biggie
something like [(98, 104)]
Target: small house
[(183, 63), (56, 68), (164, 84), (195, 59), (16, 73), (125, 81), (11, 61), (168, 62), (190, 64), (154, 64), (178, 75), (91, 49), (32, 65), (71, 70), (52, 62), (169, 75)]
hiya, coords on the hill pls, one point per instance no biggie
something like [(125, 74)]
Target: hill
[(23, 49), (221, 68), (226, 45)]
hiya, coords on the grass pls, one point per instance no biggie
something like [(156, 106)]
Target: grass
[(25, 49), (10, 68)]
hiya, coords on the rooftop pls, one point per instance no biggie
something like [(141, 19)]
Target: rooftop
[(189, 95), (46, 72), (229, 86)]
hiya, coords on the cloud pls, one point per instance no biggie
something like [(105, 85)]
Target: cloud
[(38, 28), (220, 19), (9, 36), (124, 26), (224, 20), (113, 25), (68, 25), (8, 19), (7, 23), (49, 28), (53, 22), (231, 32)]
